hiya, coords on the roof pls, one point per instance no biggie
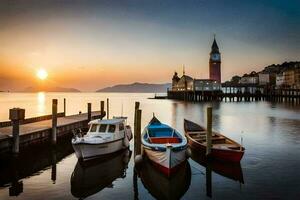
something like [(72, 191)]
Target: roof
[(107, 121), (214, 47), (186, 78)]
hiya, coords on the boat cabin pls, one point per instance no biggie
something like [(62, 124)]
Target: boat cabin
[(107, 126)]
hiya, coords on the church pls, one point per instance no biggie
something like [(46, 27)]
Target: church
[(192, 84)]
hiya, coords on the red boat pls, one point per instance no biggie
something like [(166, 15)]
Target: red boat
[(223, 148)]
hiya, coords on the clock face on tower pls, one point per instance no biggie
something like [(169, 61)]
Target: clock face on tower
[(215, 57)]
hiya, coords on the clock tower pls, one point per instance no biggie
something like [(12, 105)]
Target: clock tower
[(215, 63)]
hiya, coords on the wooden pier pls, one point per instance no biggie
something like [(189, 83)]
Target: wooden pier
[(238, 94), (37, 130)]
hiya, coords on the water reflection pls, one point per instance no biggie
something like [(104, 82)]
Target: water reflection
[(90, 177), (13, 169), (53, 168), (227, 169), (162, 187), (16, 186), (41, 107)]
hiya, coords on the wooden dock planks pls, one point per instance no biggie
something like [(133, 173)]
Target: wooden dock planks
[(36, 132)]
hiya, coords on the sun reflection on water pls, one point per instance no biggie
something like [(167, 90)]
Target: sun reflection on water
[(41, 106)]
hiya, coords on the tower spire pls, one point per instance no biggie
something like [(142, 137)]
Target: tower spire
[(214, 46), (183, 69)]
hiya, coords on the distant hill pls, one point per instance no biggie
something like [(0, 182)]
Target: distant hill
[(138, 88), (50, 89)]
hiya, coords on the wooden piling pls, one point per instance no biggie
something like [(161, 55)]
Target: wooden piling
[(54, 121), (137, 134), (209, 131), (89, 111), (102, 108), (107, 108), (65, 107), (137, 105), (16, 115)]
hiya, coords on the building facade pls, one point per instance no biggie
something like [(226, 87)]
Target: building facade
[(292, 77), (266, 79), (279, 80), (206, 85), (249, 80)]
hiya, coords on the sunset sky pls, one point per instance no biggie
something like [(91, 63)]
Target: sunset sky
[(93, 44)]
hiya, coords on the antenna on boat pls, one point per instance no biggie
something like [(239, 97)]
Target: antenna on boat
[(153, 114)]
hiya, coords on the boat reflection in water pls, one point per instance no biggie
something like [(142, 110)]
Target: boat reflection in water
[(92, 176), (162, 187), (227, 169)]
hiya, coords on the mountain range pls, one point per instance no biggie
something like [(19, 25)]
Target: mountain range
[(50, 89), (138, 88)]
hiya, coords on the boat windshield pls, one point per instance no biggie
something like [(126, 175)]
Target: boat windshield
[(93, 128), (111, 128), (103, 128)]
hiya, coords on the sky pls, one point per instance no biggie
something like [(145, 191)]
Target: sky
[(89, 44)]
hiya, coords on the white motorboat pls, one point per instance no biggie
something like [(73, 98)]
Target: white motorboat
[(103, 137)]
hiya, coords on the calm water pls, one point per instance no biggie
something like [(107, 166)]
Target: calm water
[(269, 169)]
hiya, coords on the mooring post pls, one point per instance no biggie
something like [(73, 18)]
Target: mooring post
[(138, 131), (89, 111), (209, 131), (16, 115), (65, 108), (107, 108), (54, 122), (137, 105), (102, 109), (138, 157)]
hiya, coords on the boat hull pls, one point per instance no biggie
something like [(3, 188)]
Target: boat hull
[(220, 154), (173, 187), (166, 161), (86, 151), (91, 177)]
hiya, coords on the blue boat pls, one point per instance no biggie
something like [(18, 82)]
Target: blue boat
[(164, 146)]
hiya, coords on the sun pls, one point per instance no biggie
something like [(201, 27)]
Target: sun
[(42, 74)]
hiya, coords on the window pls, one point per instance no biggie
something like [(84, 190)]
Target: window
[(93, 128), (103, 128), (121, 127), (111, 128)]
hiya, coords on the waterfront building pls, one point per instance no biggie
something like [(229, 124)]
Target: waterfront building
[(184, 83), (175, 80), (251, 78), (206, 85), (187, 83), (279, 80), (267, 78), (292, 77)]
